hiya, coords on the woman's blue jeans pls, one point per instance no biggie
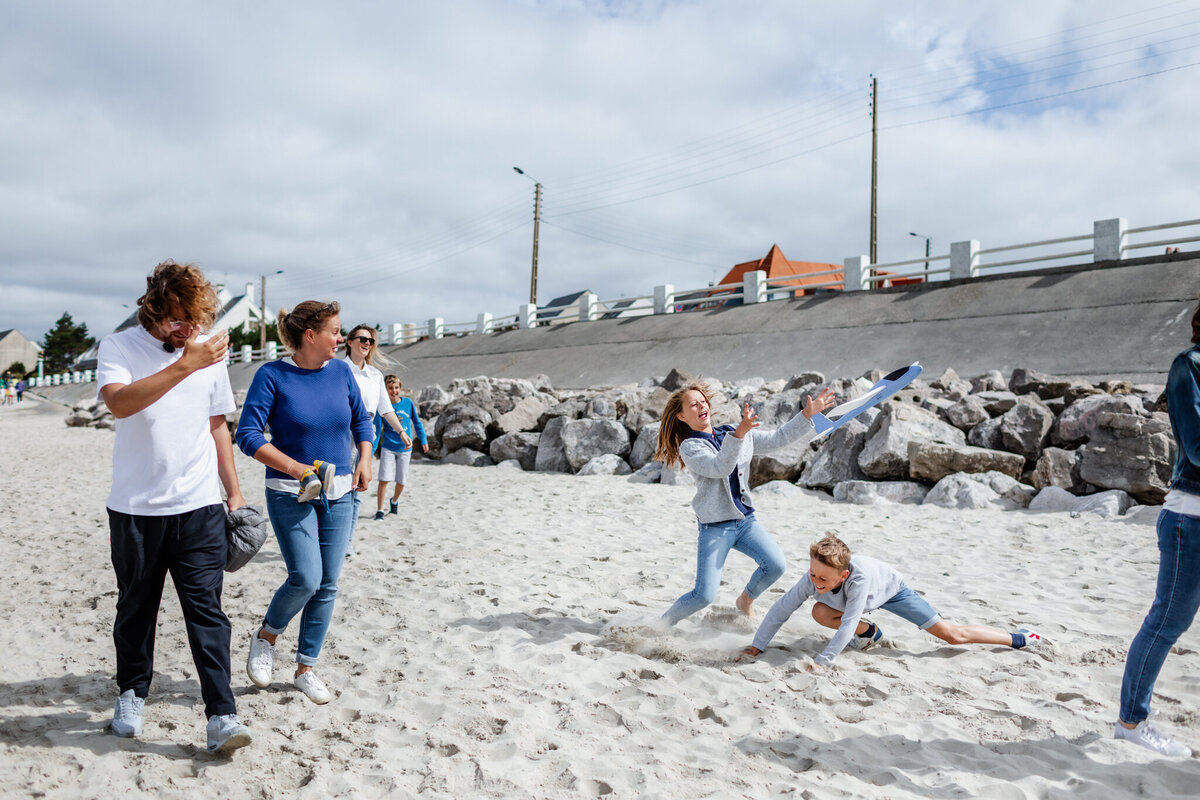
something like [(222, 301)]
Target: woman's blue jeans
[(312, 539), (1175, 602), (715, 541)]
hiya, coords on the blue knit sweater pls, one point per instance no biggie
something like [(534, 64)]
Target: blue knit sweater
[(311, 414)]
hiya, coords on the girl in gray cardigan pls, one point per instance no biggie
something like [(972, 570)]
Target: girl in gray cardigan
[(719, 460)]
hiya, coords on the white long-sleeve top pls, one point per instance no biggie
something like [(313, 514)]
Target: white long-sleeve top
[(870, 584)]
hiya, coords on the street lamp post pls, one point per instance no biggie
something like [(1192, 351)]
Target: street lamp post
[(262, 314), (927, 239), (537, 217)]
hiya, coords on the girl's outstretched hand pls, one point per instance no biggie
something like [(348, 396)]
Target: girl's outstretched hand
[(748, 423), (821, 402)]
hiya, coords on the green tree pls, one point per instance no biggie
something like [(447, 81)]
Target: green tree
[(240, 336), (64, 344), (16, 369)]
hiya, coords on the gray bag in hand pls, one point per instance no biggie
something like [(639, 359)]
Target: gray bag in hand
[(246, 530)]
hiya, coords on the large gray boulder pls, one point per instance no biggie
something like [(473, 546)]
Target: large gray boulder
[(584, 439), (1059, 468), (998, 401), (463, 424), (644, 407), (649, 473), (523, 416), (1025, 428), (987, 434), (550, 454), (780, 408), (1129, 452), (991, 381), (873, 493), (607, 464), (1079, 419), (518, 445), (570, 408), (468, 457), (676, 379), (932, 461), (1026, 381), (1107, 505), (644, 446), (836, 460), (967, 413), (885, 454), (979, 490), (784, 464), (433, 400)]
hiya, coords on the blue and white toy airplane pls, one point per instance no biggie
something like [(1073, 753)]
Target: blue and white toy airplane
[(884, 388)]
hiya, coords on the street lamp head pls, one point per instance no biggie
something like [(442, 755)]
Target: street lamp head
[(518, 170)]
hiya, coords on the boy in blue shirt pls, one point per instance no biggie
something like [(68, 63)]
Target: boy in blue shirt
[(394, 452)]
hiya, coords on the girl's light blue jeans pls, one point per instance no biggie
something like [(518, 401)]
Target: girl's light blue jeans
[(1176, 599), (312, 539), (715, 541)]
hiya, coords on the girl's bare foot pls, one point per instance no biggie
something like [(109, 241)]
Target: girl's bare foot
[(745, 604)]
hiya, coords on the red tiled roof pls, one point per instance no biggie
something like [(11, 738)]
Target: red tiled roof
[(776, 266)]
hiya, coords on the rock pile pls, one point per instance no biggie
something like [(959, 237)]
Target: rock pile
[(93, 414), (964, 443)]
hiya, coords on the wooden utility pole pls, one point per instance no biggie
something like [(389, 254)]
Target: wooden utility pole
[(262, 320), (874, 164), (537, 217)]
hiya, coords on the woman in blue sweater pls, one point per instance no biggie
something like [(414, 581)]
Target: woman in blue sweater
[(1177, 591), (313, 409)]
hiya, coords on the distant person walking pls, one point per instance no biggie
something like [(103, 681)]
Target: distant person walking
[(362, 354), (395, 451), (20, 390), (313, 409), (1177, 593), (166, 384)]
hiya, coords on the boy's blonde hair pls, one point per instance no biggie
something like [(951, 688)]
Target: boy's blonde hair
[(831, 551), (388, 380)]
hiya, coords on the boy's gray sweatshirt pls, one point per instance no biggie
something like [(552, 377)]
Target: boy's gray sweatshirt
[(870, 584), (711, 468)]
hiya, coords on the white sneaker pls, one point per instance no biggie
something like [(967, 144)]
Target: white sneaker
[(1147, 736), (313, 687), (127, 715), (1032, 637), (261, 662), (226, 734)]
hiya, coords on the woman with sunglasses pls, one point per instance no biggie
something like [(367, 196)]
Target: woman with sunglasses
[(362, 354), (314, 411)]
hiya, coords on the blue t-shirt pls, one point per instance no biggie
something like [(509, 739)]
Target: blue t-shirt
[(406, 411), (309, 413), (735, 486)]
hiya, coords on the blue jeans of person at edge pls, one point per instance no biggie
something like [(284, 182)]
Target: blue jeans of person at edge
[(716, 539), (313, 541), (1176, 598)]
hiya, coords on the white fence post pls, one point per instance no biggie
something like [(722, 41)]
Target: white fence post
[(587, 307), (483, 323), (964, 259), (272, 351), (856, 273), (435, 326), (247, 354), (527, 316), (396, 334), (754, 287), (664, 299), (1108, 239)]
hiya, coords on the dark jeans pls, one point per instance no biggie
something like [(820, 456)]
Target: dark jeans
[(1175, 601), (192, 547)]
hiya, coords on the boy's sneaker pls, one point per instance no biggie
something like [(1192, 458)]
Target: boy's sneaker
[(325, 472), (867, 639), (127, 715), (1032, 637), (310, 487), (379, 515), (1147, 736), (395, 506), (261, 662), (226, 734), (313, 687)]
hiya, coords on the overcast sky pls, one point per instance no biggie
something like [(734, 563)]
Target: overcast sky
[(366, 148)]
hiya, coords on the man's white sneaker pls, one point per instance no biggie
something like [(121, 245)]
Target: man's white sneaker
[(127, 715), (226, 734), (1147, 736), (313, 687), (261, 662)]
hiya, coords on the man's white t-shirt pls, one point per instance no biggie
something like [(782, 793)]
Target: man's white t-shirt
[(164, 456), (371, 386)]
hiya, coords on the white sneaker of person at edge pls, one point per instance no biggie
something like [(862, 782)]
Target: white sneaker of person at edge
[(127, 715), (1147, 736), (226, 734), (261, 662), (313, 687)]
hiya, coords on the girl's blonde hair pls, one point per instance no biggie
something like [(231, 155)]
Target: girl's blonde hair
[(672, 430)]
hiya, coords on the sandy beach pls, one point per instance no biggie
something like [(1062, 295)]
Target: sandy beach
[(490, 641)]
